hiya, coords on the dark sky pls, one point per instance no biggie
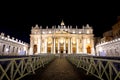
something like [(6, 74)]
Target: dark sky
[(19, 26)]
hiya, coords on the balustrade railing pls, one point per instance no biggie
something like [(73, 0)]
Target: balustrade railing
[(16, 68), (104, 69)]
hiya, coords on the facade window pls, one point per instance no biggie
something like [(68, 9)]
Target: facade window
[(13, 49), (63, 41), (3, 48), (17, 50), (9, 49)]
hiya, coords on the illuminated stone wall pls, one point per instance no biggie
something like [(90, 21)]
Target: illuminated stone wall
[(110, 43), (110, 48), (12, 46), (62, 39)]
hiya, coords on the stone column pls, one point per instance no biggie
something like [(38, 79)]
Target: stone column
[(54, 45), (58, 46), (64, 45), (45, 45), (11, 48), (92, 46), (84, 46), (77, 47), (31, 47), (38, 45), (6, 51), (71, 45)]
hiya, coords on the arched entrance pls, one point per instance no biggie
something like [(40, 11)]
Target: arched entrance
[(34, 49), (61, 48), (49, 45), (49, 50), (74, 50), (88, 49)]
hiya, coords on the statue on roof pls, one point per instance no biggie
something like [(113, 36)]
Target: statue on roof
[(62, 23)]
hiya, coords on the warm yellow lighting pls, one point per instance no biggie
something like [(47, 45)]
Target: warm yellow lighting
[(88, 32), (24, 48), (73, 42), (73, 31), (100, 49), (49, 31), (61, 41), (88, 41), (49, 42)]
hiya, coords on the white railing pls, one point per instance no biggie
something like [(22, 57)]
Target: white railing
[(16, 68), (104, 69)]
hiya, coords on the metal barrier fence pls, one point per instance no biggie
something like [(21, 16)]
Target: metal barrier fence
[(16, 68), (104, 69)]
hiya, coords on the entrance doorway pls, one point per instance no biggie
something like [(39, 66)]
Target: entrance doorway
[(49, 50), (74, 50), (61, 49), (88, 49), (34, 49)]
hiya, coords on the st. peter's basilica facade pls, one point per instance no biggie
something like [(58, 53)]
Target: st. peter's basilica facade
[(62, 39)]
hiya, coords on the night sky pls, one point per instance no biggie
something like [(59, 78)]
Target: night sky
[(19, 26)]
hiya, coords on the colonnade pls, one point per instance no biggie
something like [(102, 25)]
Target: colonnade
[(66, 45)]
